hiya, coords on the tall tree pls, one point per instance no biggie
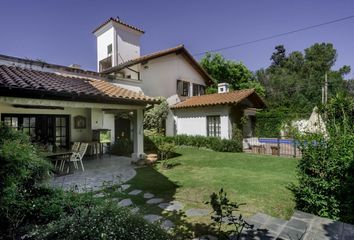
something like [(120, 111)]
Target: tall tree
[(234, 73), (294, 81), (279, 56)]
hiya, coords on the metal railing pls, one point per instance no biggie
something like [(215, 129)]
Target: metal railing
[(272, 146)]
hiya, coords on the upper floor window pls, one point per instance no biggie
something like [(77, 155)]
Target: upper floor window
[(198, 90), (183, 88), (109, 50)]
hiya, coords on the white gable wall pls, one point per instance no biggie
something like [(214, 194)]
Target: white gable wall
[(128, 44), (159, 76), (193, 121)]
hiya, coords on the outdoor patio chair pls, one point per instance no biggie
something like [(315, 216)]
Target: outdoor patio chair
[(77, 156), (75, 148)]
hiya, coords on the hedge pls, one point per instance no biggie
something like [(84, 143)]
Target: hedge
[(213, 143)]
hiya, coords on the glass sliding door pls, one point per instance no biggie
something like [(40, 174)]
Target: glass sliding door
[(42, 129)]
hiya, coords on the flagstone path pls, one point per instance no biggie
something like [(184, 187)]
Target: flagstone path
[(117, 170)]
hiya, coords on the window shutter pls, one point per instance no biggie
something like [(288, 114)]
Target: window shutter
[(179, 87)]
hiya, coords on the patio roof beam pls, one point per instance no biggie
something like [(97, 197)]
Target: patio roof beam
[(37, 107), (65, 104)]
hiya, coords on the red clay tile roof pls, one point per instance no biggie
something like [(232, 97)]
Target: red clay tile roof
[(117, 20), (231, 98), (21, 82), (180, 49)]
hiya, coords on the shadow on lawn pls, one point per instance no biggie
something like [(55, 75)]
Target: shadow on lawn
[(148, 179)]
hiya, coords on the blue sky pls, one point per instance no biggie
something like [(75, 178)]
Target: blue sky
[(61, 31)]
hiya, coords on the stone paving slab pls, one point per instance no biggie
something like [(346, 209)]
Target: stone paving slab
[(152, 218), (259, 218), (348, 231), (154, 201), (135, 192), (148, 195), (197, 212), (291, 234), (125, 202), (124, 186), (167, 224), (98, 173), (302, 226), (171, 206), (307, 217), (298, 225)]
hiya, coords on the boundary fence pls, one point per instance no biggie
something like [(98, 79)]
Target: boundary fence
[(272, 146)]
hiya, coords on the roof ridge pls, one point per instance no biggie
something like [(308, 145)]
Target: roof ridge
[(117, 20), (192, 61), (233, 97), (230, 92), (153, 53), (45, 64)]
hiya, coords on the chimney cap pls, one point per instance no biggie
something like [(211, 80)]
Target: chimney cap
[(223, 87)]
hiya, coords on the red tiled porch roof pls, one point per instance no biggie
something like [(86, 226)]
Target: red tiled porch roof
[(229, 98), (23, 82)]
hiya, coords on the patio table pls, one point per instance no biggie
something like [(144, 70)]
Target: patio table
[(60, 155)]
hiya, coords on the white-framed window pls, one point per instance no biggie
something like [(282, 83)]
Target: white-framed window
[(198, 89), (213, 126), (183, 88)]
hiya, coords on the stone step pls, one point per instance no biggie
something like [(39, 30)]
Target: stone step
[(301, 225)]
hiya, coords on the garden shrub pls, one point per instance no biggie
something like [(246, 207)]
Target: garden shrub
[(326, 171), (213, 143), (21, 172), (166, 149), (105, 221), (154, 117)]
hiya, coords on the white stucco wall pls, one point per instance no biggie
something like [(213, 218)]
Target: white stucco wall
[(128, 43), (103, 40), (193, 121), (159, 76)]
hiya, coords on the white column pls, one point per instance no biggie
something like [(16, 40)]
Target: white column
[(224, 123), (138, 135)]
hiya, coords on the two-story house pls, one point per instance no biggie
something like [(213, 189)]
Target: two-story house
[(174, 74), (58, 105)]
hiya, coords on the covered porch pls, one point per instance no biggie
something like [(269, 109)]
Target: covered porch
[(60, 123)]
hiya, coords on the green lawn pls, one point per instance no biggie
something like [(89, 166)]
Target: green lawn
[(257, 180)]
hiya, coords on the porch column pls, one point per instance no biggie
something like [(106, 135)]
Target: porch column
[(138, 135)]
